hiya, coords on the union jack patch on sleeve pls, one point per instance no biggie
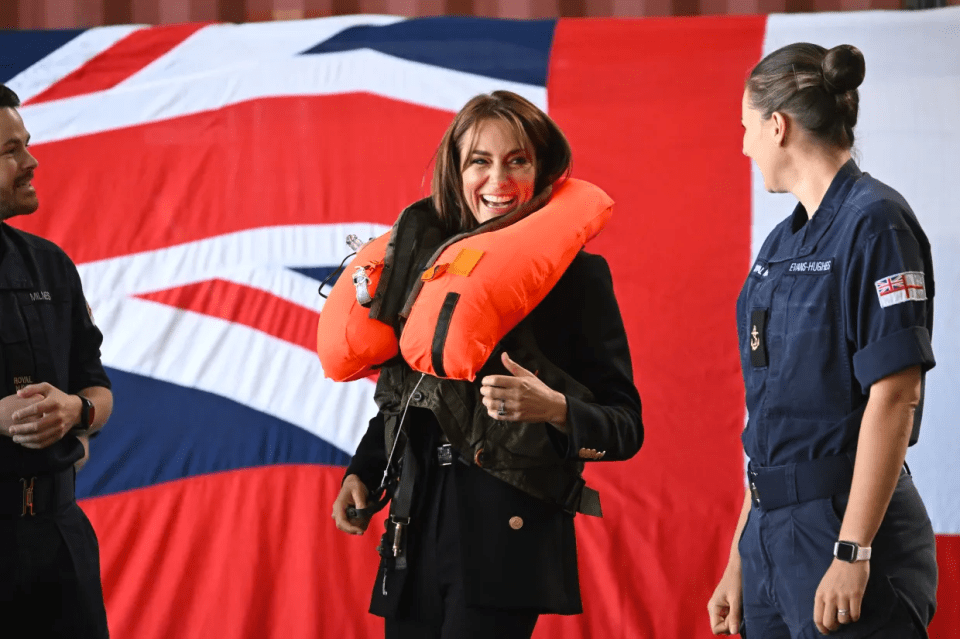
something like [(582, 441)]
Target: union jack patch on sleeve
[(902, 287)]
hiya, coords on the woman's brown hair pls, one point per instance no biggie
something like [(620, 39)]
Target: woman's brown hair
[(816, 87), (530, 124)]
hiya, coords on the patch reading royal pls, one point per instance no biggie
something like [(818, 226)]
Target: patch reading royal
[(902, 287), (813, 267)]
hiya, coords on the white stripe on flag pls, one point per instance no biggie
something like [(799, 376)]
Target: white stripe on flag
[(907, 137), (360, 71), (234, 361), (61, 62), (234, 46), (260, 258)]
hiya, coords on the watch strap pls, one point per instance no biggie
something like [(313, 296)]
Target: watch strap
[(86, 415), (851, 551)]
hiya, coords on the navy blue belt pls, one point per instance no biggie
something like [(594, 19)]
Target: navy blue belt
[(778, 486)]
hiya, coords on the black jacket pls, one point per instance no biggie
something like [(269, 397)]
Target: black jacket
[(578, 327), (47, 334)]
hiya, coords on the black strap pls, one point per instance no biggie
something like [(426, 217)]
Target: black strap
[(576, 497), (402, 493), (373, 507), (415, 230), (440, 334), (403, 496)]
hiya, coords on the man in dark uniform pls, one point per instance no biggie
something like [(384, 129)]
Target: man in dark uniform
[(54, 391)]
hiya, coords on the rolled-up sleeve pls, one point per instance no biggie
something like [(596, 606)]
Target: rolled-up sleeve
[(889, 306)]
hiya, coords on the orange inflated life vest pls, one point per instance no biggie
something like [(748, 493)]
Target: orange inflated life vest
[(482, 286), (474, 293), (349, 342)]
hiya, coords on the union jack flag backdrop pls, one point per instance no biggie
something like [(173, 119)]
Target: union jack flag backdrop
[(204, 177)]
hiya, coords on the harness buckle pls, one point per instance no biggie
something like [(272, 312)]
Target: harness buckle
[(445, 454), (27, 496)]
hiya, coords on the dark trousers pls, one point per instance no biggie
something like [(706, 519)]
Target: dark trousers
[(50, 576), (785, 552), (433, 605)]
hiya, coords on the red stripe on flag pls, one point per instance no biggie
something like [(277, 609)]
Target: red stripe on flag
[(652, 110), (293, 160), (245, 305), (119, 62), (245, 553), (946, 621)]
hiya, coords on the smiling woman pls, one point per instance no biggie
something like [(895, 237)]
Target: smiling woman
[(499, 147), (480, 539), (499, 170)]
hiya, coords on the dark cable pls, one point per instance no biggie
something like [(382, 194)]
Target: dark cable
[(335, 272)]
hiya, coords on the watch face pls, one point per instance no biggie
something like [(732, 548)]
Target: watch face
[(845, 551), (86, 412)]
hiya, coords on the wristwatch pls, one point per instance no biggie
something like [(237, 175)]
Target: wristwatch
[(851, 551), (87, 413)]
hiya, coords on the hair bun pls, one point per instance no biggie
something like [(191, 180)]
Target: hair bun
[(843, 69)]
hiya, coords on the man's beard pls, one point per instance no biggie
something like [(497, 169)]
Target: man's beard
[(12, 208), (7, 211)]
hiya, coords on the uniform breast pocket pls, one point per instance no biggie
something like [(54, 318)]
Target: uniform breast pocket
[(47, 317), (806, 321), (47, 312), (12, 326), (19, 368)]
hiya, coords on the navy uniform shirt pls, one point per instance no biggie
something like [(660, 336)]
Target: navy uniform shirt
[(46, 335), (831, 306)]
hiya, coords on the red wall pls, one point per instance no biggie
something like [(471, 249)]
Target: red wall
[(62, 14)]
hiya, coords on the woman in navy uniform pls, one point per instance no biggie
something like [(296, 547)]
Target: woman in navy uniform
[(835, 322), (480, 556)]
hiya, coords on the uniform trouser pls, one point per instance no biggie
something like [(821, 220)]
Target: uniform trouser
[(433, 604), (50, 576), (785, 553)]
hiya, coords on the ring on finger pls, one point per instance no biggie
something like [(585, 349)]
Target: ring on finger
[(843, 613), (503, 408)]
